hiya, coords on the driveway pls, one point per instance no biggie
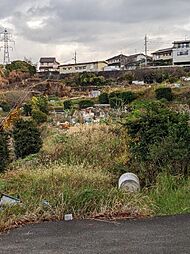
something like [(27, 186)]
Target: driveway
[(162, 235)]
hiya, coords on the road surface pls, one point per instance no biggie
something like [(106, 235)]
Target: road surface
[(162, 235)]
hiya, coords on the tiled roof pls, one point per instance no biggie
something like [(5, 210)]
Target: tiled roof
[(162, 50), (47, 59)]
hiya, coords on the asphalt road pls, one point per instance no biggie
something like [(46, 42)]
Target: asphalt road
[(162, 235)]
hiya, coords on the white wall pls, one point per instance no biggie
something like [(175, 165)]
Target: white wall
[(177, 58)]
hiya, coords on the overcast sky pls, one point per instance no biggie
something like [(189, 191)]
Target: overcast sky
[(96, 29)]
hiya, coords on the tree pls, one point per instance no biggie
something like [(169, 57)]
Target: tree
[(21, 66), (27, 138)]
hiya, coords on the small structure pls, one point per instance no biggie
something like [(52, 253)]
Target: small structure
[(95, 93), (136, 82), (8, 200), (48, 64)]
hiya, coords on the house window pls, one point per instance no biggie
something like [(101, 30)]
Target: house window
[(183, 53)]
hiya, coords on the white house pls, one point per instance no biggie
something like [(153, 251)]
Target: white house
[(181, 52), (137, 60), (48, 64)]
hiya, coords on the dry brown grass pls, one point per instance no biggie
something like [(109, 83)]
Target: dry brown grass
[(83, 191)]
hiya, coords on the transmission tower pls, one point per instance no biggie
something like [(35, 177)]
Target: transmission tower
[(5, 38)]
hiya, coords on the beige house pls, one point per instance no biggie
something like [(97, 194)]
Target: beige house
[(82, 67), (163, 54), (48, 64)]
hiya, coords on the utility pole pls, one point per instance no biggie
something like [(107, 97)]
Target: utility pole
[(75, 57), (5, 38), (146, 49)]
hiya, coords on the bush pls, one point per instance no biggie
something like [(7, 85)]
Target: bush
[(39, 117), (104, 98), (27, 108), (159, 138), (21, 66), (119, 99), (164, 93), (3, 150), (67, 104), (129, 77), (5, 106), (27, 138), (40, 103), (85, 104), (90, 79)]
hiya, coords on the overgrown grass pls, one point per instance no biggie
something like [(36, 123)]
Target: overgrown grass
[(83, 191), (77, 172), (100, 146), (171, 195)]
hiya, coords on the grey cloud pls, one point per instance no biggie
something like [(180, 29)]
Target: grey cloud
[(97, 24)]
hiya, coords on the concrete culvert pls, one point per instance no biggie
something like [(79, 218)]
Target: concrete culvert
[(129, 182)]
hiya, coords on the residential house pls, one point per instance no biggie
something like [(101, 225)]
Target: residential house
[(82, 67), (163, 56), (136, 61), (181, 52), (48, 64), (117, 62)]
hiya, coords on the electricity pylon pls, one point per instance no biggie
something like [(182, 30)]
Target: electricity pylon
[(5, 38)]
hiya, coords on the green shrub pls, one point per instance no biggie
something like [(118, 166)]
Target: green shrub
[(164, 93), (39, 117), (3, 150), (22, 66), (85, 104), (67, 104), (5, 106), (129, 77), (90, 79), (27, 108), (159, 138), (27, 138), (172, 79), (40, 103), (119, 99), (104, 98)]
